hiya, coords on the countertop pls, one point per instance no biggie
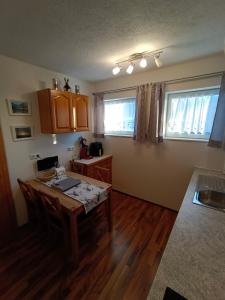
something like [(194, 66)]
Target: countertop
[(92, 160), (193, 263)]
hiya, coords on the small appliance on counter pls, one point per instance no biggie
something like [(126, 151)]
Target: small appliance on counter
[(47, 168), (96, 149)]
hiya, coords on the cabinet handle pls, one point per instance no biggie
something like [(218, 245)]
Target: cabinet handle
[(74, 118)]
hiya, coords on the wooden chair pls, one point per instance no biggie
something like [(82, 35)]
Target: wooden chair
[(102, 174), (33, 206), (57, 225), (56, 221)]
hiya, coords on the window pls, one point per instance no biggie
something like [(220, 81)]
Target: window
[(190, 115), (119, 116)]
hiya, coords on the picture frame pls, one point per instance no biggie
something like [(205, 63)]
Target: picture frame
[(22, 132), (18, 107)]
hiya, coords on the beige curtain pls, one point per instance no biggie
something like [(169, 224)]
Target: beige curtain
[(155, 125), (141, 115), (217, 137), (149, 113), (99, 114)]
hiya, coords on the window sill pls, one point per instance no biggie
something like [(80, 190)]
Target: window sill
[(185, 139), (119, 135)]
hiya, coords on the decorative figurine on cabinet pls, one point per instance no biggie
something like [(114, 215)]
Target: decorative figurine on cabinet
[(67, 87), (84, 149)]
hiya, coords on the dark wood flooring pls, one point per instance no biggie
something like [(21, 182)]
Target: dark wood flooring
[(120, 265)]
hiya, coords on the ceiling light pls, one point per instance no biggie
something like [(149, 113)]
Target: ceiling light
[(116, 70), (143, 63), (128, 63), (158, 62), (130, 68)]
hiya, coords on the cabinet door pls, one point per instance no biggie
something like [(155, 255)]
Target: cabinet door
[(101, 170), (80, 107), (61, 104), (7, 212)]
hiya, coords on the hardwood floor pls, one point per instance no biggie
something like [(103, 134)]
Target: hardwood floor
[(120, 265)]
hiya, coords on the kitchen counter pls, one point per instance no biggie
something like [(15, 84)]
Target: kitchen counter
[(92, 160), (193, 263)]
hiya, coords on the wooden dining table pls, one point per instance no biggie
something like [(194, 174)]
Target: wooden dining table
[(73, 208)]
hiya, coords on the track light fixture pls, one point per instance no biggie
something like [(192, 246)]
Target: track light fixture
[(143, 62), (116, 70), (130, 68), (141, 57), (158, 62)]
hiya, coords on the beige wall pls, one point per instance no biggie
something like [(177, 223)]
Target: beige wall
[(19, 80), (161, 173)]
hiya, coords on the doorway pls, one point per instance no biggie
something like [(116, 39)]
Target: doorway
[(7, 211)]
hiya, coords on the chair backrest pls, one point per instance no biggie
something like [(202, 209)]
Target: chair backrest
[(27, 192), (102, 174), (53, 211), (32, 203)]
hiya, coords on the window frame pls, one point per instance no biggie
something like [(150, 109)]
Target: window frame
[(166, 110), (117, 134)]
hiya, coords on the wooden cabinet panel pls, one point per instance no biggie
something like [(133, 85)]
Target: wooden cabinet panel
[(100, 170), (61, 111), (80, 104), (44, 103)]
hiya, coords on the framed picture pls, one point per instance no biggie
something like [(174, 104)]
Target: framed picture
[(19, 107), (22, 133)]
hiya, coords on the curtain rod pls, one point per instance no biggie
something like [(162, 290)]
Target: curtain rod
[(172, 81)]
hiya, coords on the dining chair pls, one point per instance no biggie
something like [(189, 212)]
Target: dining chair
[(33, 206), (56, 220), (57, 227)]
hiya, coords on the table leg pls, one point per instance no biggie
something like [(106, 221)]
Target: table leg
[(109, 211), (74, 239)]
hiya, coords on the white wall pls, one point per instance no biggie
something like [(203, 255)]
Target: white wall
[(161, 173), (19, 80)]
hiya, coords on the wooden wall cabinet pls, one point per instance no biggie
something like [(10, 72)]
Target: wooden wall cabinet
[(80, 104), (62, 112), (99, 168)]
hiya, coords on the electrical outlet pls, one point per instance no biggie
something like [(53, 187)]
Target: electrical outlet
[(70, 148), (34, 156)]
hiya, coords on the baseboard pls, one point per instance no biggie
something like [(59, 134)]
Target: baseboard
[(141, 199)]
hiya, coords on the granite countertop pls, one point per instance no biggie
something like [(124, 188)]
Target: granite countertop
[(193, 263), (92, 160)]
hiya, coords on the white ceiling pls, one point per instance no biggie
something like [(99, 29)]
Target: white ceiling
[(84, 38)]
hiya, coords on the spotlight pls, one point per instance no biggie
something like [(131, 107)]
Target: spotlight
[(130, 68), (54, 139), (143, 63), (158, 62), (116, 70)]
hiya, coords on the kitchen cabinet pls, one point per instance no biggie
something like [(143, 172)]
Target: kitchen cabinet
[(80, 103), (62, 112), (99, 168)]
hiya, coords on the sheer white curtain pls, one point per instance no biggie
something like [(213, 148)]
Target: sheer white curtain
[(191, 113)]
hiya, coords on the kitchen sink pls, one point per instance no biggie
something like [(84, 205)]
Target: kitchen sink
[(210, 192)]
